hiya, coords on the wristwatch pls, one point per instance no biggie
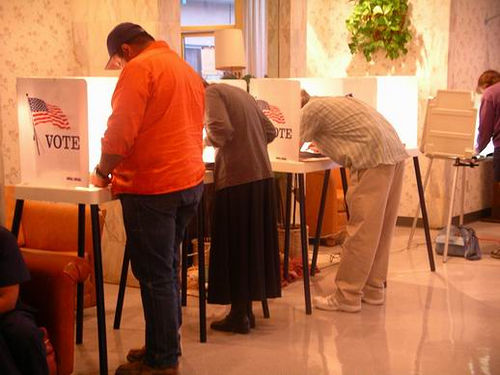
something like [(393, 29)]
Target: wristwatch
[(99, 173)]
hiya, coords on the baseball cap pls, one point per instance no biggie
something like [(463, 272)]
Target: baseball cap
[(119, 35)]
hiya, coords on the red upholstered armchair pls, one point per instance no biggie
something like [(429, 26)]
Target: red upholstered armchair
[(52, 291), (51, 229)]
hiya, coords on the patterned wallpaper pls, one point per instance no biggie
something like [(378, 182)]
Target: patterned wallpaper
[(34, 41), (68, 38), (475, 24), (435, 56)]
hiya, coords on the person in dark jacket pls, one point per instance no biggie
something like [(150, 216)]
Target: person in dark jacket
[(22, 351)]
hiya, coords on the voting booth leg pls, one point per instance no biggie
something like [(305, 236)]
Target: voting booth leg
[(319, 224), (201, 271), (121, 289), (286, 249), (16, 220), (343, 176), (101, 317), (425, 219), (450, 214), (184, 267), (464, 185), (265, 309), (303, 238), (417, 209), (79, 286)]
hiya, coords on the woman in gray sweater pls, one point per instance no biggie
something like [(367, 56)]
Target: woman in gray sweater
[(244, 257)]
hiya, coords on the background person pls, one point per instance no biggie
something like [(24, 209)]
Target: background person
[(153, 148), (489, 129), (356, 136), (22, 351), (244, 256)]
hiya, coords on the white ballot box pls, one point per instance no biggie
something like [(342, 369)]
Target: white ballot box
[(395, 97), (61, 122), (450, 125)]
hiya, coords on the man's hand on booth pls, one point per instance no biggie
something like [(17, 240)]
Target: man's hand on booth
[(101, 177), (98, 178)]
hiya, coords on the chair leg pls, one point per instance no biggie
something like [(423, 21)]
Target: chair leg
[(121, 290)]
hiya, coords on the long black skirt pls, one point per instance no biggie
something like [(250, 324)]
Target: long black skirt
[(244, 256)]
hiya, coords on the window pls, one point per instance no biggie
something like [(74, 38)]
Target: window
[(199, 20), (207, 12)]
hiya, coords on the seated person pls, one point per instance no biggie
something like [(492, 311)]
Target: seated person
[(22, 351)]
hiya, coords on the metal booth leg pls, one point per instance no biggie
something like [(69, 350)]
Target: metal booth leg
[(201, 271), (79, 286), (286, 250), (423, 208), (184, 268), (319, 224), (417, 209), (101, 317), (450, 214), (16, 220), (343, 176), (265, 309), (121, 289), (303, 237)]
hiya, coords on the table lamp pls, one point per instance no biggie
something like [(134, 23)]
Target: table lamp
[(229, 52)]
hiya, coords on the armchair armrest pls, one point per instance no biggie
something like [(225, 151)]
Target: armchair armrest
[(51, 291)]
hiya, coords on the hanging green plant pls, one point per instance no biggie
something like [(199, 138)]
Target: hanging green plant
[(379, 24)]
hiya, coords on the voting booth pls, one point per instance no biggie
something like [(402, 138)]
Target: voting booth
[(395, 97), (61, 122), (450, 125), (279, 99)]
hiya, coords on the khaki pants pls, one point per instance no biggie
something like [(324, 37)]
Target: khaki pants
[(373, 200)]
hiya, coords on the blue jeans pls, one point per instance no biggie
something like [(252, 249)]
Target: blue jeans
[(155, 226)]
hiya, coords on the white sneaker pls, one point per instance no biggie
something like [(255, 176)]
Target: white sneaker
[(373, 301), (330, 303)]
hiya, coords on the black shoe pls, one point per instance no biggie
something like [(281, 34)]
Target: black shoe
[(232, 324)]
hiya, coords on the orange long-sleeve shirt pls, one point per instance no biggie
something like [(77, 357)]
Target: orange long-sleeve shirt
[(156, 124)]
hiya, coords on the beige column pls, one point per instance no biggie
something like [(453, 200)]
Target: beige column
[(286, 27)]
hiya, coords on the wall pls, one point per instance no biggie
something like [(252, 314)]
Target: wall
[(35, 40), (286, 23), (475, 24), (439, 60)]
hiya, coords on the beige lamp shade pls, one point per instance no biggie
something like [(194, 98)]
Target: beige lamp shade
[(229, 51)]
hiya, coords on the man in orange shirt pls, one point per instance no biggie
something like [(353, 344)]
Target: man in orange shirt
[(152, 155)]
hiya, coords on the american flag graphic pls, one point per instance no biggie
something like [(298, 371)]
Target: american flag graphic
[(43, 112), (274, 114)]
